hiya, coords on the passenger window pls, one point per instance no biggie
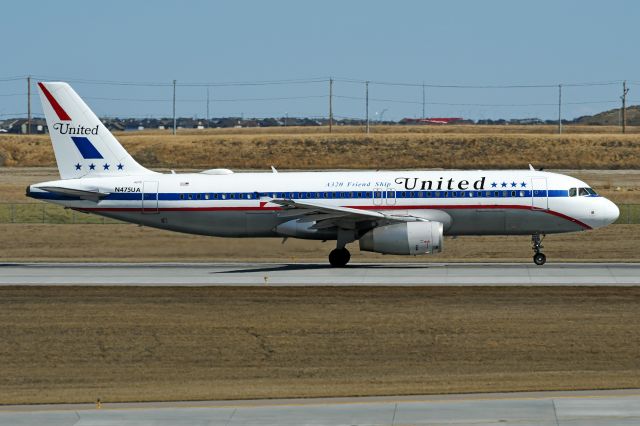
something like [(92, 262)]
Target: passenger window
[(182, 196)]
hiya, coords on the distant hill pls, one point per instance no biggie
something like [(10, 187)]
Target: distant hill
[(611, 117)]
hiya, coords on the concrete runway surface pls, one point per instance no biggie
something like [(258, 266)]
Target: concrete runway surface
[(304, 274), (522, 409)]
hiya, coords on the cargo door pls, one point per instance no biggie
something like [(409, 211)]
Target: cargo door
[(150, 197)]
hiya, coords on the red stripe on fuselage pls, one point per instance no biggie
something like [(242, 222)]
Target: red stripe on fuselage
[(62, 114), (430, 207)]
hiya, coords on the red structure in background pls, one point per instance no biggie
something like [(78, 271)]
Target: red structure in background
[(431, 120)]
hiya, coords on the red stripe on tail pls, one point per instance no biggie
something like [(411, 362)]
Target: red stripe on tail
[(62, 114)]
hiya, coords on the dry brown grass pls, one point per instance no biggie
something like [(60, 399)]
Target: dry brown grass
[(130, 243), (387, 148), (75, 344)]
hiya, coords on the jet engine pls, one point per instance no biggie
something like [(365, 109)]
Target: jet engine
[(404, 238)]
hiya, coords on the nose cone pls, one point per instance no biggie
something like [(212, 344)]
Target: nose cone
[(610, 213)]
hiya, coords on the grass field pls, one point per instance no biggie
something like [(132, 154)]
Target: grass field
[(386, 148), (76, 344), (131, 243)]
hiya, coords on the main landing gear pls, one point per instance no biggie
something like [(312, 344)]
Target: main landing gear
[(539, 258), (339, 257)]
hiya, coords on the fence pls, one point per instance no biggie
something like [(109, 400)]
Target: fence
[(47, 213), (329, 98), (53, 214)]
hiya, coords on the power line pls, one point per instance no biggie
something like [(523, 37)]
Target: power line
[(205, 100), (359, 98), (196, 84), (475, 86), (318, 80), (16, 78)]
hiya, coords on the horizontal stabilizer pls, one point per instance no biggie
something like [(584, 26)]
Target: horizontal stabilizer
[(94, 196)]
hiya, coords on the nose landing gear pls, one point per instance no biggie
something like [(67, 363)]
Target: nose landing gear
[(538, 258)]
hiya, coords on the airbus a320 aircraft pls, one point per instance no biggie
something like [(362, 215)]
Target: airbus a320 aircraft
[(392, 212)]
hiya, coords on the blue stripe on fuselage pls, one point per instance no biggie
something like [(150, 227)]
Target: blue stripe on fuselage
[(315, 195)]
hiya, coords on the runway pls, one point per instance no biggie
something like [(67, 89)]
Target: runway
[(521, 409), (307, 274)]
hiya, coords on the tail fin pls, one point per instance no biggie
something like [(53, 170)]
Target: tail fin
[(83, 146)]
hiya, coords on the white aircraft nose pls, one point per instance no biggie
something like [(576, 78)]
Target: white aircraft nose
[(610, 213)]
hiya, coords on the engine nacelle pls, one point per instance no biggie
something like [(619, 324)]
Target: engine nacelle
[(404, 238)]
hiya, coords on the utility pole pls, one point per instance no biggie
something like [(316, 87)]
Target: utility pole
[(207, 107), (174, 107), (330, 104), (366, 85), (423, 102), (559, 108), (29, 105), (625, 90)]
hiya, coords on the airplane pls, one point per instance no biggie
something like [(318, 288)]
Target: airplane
[(392, 212)]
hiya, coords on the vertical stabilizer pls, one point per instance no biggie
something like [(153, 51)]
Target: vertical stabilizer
[(83, 146)]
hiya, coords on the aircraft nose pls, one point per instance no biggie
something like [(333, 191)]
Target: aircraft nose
[(610, 213)]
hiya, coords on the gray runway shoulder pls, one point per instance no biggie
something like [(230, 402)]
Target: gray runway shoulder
[(415, 274), (539, 408)]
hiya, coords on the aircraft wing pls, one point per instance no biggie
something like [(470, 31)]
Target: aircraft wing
[(327, 216), (71, 192)]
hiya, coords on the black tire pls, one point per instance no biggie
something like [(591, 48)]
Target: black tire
[(539, 259), (339, 258)]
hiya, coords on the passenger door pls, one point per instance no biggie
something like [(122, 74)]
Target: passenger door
[(539, 196)]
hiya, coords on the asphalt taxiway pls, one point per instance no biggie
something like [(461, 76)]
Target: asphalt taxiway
[(521, 409), (305, 274)]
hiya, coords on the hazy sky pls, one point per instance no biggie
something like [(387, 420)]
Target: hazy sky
[(435, 42)]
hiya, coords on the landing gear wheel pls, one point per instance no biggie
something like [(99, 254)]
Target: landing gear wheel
[(539, 259), (339, 258)]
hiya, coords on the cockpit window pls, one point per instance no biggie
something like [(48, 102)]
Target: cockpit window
[(582, 192)]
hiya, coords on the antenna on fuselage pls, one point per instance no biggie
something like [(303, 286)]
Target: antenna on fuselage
[(273, 169), (531, 168)]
